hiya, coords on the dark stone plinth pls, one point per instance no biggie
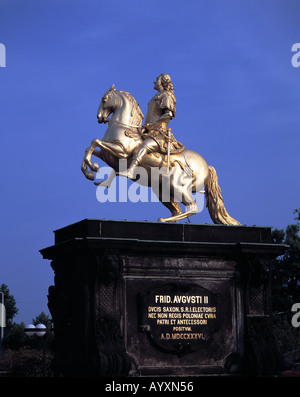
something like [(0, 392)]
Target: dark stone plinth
[(143, 298)]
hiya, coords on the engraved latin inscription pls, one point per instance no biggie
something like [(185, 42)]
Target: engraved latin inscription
[(181, 317)]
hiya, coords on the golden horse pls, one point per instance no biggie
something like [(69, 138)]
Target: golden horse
[(183, 173)]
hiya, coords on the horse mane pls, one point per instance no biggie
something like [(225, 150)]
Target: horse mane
[(136, 113)]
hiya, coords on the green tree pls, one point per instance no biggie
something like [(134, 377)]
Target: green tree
[(28, 355), (14, 337), (286, 289), (43, 318)]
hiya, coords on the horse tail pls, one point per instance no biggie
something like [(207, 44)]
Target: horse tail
[(215, 202)]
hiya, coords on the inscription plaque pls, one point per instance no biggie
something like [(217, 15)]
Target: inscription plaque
[(178, 318)]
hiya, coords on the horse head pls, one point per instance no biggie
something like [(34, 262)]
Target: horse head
[(128, 109), (107, 105)]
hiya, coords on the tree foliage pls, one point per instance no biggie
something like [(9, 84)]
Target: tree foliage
[(28, 356), (286, 289), (43, 318), (23, 355)]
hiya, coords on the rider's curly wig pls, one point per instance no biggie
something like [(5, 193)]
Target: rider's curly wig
[(166, 82)]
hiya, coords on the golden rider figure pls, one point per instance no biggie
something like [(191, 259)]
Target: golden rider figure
[(157, 136)]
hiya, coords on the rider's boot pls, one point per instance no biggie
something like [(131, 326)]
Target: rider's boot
[(135, 162)]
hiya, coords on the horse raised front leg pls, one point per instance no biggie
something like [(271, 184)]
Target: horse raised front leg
[(89, 152), (87, 160), (88, 174)]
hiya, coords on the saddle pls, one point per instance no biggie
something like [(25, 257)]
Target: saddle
[(162, 138)]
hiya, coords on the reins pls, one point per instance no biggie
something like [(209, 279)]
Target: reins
[(125, 125)]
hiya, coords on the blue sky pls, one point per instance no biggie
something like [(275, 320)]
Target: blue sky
[(237, 96)]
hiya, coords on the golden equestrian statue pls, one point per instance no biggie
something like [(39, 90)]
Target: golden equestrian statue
[(154, 148)]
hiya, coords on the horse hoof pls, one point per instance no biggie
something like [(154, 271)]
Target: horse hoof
[(95, 167), (90, 176), (161, 220)]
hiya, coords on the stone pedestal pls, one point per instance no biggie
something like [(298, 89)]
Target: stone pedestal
[(143, 298)]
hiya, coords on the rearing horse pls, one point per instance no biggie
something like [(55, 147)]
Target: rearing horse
[(187, 172)]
